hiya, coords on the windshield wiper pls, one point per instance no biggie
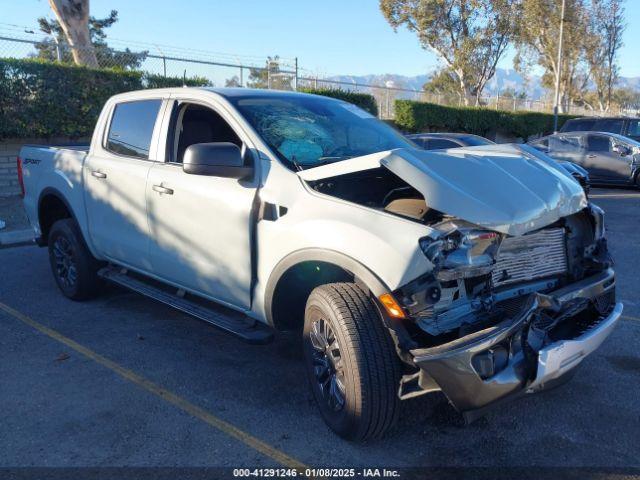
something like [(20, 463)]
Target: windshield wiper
[(319, 163), (327, 160)]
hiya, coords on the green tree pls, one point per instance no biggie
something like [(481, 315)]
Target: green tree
[(269, 77), (232, 82), (626, 98), (444, 84), (511, 93), (470, 36), (50, 49), (537, 32), (604, 38)]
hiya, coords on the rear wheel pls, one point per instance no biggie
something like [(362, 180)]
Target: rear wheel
[(74, 269), (351, 362)]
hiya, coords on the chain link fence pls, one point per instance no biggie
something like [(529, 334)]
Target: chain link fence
[(227, 70), (214, 69)]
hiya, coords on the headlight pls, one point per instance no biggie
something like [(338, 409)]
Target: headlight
[(462, 253), (598, 221)]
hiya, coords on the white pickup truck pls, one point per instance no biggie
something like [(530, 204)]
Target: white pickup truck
[(480, 272)]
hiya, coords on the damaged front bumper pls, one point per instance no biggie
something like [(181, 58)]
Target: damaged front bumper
[(532, 351)]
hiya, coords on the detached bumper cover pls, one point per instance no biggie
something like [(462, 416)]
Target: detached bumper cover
[(559, 358), (522, 368)]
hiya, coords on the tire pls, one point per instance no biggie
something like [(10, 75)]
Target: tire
[(74, 269), (363, 361)]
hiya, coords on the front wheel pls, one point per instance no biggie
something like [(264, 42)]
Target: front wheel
[(74, 269), (351, 362)]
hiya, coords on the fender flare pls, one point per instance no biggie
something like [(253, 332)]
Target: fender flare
[(360, 272), (51, 191)]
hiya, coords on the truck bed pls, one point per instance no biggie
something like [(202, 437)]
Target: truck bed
[(50, 168)]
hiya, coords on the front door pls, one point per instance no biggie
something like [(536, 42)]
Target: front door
[(201, 226), (115, 184)]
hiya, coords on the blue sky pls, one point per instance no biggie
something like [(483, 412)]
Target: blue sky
[(329, 37)]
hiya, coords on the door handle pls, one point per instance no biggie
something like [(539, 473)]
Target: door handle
[(161, 189), (98, 174), (591, 156)]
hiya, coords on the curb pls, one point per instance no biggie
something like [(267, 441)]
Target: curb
[(16, 237)]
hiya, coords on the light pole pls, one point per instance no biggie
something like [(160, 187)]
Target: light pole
[(558, 70)]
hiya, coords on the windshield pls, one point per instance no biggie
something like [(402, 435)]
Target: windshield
[(308, 131)]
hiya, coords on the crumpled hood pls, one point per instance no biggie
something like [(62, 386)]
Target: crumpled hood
[(511, 189)]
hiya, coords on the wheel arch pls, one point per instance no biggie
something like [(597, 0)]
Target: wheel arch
[(52, 206), (296, 275)]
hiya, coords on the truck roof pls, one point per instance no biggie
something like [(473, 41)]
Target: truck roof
[(224, 92)]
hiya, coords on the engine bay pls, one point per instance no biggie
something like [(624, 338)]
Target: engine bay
[(379, 189)]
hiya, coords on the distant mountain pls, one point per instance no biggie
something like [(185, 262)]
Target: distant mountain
[(503, 79)]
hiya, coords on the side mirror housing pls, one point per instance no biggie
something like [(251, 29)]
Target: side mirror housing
[(218, 159)]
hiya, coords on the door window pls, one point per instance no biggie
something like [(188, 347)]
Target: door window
[(578, 125), (598, 143), (198, 124), (634, 129), (611, 125), (567, 144), (131, 128)]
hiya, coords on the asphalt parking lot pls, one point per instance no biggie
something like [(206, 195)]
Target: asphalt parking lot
[(124, 381)]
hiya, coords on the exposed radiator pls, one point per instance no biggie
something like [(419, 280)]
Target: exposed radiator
[(537, 255)]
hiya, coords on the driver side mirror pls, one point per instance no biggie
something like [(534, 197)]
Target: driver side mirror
[(218, 159), (621, 149)]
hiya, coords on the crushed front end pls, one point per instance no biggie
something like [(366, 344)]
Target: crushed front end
[(500, 316)]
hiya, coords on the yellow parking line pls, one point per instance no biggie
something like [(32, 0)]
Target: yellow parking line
[(163, 393)]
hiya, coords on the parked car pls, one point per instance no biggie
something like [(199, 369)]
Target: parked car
[(406, 271), (436, 141), (609, 158), (625, 126)]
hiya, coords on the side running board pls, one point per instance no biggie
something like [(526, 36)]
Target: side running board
[(248, 329)]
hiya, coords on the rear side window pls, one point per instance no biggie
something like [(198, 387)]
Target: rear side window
[(131, 128)]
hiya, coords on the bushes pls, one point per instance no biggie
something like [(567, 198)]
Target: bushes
[(421, 116), (362, 100), (150, 80), (44, 99)]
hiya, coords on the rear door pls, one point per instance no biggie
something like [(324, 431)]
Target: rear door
[(605, 165), (115, 180)]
